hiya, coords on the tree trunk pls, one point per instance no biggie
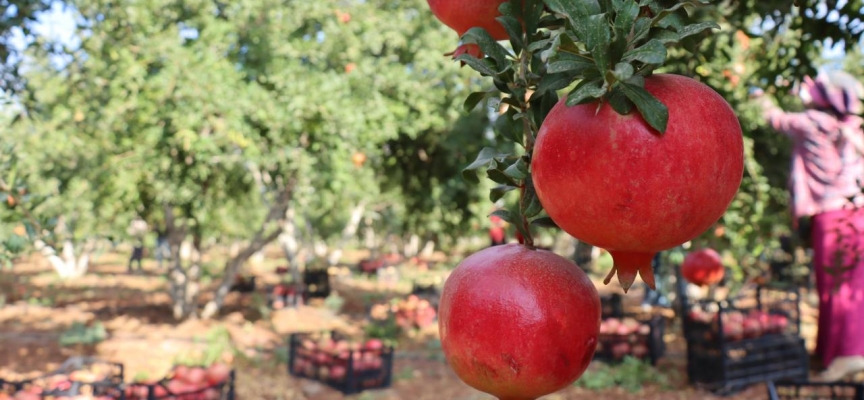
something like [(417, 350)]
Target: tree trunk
[(66, 264), (428, 249), (232, 267), (349, 232), (290, 246), (412, 247)]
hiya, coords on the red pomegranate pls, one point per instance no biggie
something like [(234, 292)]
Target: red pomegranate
[(518, 323), (462, 15), (703, 267), (614, 182)]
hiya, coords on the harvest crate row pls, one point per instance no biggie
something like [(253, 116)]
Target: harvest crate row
[(92, 378)]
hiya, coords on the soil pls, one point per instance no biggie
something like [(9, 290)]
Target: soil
[(135, 312)]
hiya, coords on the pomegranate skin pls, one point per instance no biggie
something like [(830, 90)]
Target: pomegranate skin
[(703, 267), (614, 182), (518, 323), (462, 15)]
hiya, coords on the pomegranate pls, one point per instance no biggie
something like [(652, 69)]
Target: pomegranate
[(462, 15), (703, 267), (217, 373), (518, 323), (614, 182)]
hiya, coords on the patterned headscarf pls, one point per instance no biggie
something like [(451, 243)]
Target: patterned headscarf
[(836, 91)]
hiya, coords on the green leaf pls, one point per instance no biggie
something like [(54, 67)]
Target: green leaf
[(620, 103), (498, 176), (653, 111), (694, 29), (481, 66), (532, 14), (594, 31), (488, 45), (572, 66), (574, 9), (586, 91), (538, 45), (544, 222), (623, 71), (486, 157), (518, 170), (530, 199), (498, 192), (514, 30), (652, 52), (474, 99), (553, 82), (508, 216), (627, 12), (509, 129)]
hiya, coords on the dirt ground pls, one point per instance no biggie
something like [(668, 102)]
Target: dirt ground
[(141, 334)]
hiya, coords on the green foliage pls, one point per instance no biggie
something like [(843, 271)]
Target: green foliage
[(216, 344), (632, 374), (80, 334)]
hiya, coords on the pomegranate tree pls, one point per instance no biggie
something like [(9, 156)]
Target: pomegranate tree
[(627, 160), (703, 267), (518, 323)]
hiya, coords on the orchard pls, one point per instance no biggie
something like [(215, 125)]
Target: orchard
[(440, 199)]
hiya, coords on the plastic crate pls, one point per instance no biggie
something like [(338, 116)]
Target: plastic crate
[(727, 360), (613, 347), (316, 283), (612, 306), (354, 374), (286, 297), (165, 389), (804, 390), (243, 284), (77, 376)]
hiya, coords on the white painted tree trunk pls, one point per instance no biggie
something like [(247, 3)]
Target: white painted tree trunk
[(412, 247), (289, 243), (66, 264), (349, 232), (428, 249)]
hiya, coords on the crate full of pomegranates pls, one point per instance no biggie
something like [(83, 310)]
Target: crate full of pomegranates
[(623, 337), (346, 365)]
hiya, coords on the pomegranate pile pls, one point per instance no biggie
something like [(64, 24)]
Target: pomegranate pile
[(185, 382), (338, 362), (627, 160), (74, 380), (409, 313), (624, 337), (739, 325)]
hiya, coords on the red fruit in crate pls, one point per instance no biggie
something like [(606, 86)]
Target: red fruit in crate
[(623, 330), (640, 350), (732, 330), (196, 376), (308, 344), (619, 350), (211, 394), (613, 181), (337, 372), (612, 324), (217, 373), (181, 372), (644, 330), (280, 290), (374, 344), (499, 300), (752, 328), (27, 396), (703, 267)]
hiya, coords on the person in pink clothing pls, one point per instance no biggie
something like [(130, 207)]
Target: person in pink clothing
[(826, 186)]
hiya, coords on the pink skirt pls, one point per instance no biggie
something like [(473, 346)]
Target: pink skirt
[(838, 261)]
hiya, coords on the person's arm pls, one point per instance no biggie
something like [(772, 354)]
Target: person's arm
[(787, 123)]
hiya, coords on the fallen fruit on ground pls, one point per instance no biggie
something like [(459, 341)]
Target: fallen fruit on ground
[(703, 267), (613, 181), (518, 323)]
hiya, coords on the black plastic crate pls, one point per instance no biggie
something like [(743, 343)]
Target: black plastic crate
[(644, 342), (804, 390), (424, 289), (316, 283), (87, 376), (348, 371), (176, 390), (612, 306), (722, 358), (243, 284)]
